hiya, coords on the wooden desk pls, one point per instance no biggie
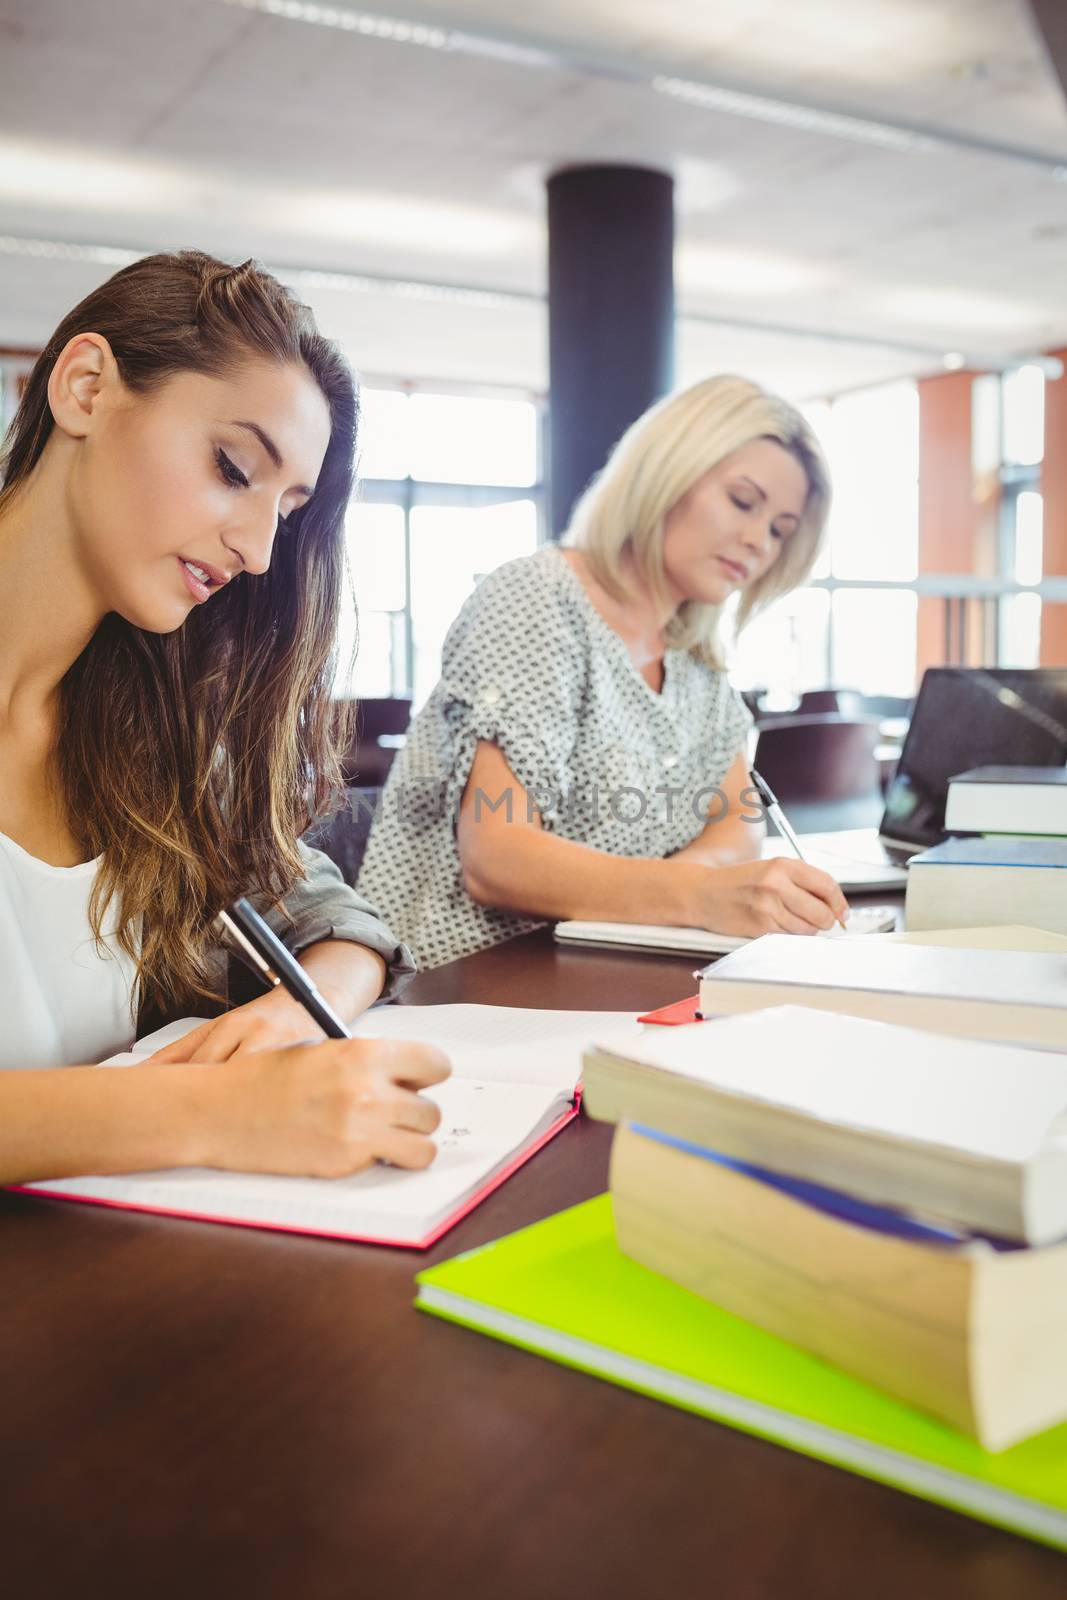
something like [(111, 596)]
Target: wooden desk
[(191, 1412)]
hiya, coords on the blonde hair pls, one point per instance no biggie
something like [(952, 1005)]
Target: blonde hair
[(658, 460)]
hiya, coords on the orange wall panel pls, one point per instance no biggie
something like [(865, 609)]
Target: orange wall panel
[(951, 515), (1054, 491)]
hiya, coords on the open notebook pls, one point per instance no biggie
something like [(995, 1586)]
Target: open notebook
[(514, 1082)]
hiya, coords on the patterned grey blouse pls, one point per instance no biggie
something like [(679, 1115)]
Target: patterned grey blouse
[(531, 666)]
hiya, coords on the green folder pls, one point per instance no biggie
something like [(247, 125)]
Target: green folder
[(563, 1289)]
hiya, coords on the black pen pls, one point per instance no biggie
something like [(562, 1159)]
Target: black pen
[(270, 957), (781, 822)]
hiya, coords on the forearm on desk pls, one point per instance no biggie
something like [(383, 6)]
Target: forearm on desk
[(735, 829), (524, 869), (720, 844), (65, 1121)]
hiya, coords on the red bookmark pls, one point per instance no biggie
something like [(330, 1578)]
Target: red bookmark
[(674, 1015)]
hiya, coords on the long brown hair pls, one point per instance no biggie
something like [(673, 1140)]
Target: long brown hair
[(193, 761)]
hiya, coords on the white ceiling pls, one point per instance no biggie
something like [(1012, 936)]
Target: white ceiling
[(809, 259)]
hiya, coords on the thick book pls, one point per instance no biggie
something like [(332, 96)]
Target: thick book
[(514, 1086), (1009, 995), (969, 1329), (1010, 936), (681, 1012), (966, 883), (563, 1289), (1008, 800), (972, 1133)]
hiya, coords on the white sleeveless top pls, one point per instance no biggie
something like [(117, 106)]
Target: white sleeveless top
[(62, 1003)]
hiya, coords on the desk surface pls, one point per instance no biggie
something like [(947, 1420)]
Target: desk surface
[(190, 1410)]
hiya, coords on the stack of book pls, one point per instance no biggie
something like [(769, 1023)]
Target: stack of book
[(1013, 995), (837, 1218), (891, 1200), (1019, 800), (974, 882)]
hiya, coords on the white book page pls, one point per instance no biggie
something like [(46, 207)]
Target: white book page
[(990, 1100), (152, 1042), (501, 1044)]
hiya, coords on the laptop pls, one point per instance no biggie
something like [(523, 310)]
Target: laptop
[(964, 717)]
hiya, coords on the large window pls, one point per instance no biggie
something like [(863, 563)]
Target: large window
[(450, 488), (862, 631), (1013, 407), (855, 624)]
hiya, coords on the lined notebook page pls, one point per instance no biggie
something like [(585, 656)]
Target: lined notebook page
[(482, 1124), (505, 1044), (515, 1071)]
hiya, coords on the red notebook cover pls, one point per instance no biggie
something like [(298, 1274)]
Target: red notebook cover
[(463, 1207)]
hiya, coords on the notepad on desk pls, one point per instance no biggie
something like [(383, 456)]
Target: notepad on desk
[(701, 941), (513, 1087)]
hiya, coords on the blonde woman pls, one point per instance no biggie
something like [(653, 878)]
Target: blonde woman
[(583, 754)]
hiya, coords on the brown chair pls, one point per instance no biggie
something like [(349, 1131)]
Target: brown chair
[(380, 726), (848, 702), (344, 833), (823, 769)]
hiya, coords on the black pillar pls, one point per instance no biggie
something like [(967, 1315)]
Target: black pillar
[(610, 314)]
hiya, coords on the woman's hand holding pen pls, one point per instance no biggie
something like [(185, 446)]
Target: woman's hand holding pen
[(320, 1110), (755, 897), (269, 1022)]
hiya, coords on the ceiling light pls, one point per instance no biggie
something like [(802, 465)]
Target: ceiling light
[(104, 255), (308, 278), (955, 308), (954, 360), (719, 270), (400, 288), (412, 225), (33, 173), (397, 31), (364, 22), (784, 113)]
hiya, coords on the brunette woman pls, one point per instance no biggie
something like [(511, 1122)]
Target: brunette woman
[(171, 536)]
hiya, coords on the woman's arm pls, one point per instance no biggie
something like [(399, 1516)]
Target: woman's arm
[(511, 862), (348, 976), (727, 836), (350, 954), (320, 1110)]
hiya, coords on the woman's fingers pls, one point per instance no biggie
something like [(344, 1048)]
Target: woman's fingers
[(403, 1148), (180, 1049), (811, 895), (412, 1065), (415, 1112)]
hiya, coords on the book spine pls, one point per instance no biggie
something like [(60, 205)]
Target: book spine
[(891, 1312)]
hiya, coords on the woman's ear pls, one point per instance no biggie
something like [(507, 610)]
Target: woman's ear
[(85, 371)]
